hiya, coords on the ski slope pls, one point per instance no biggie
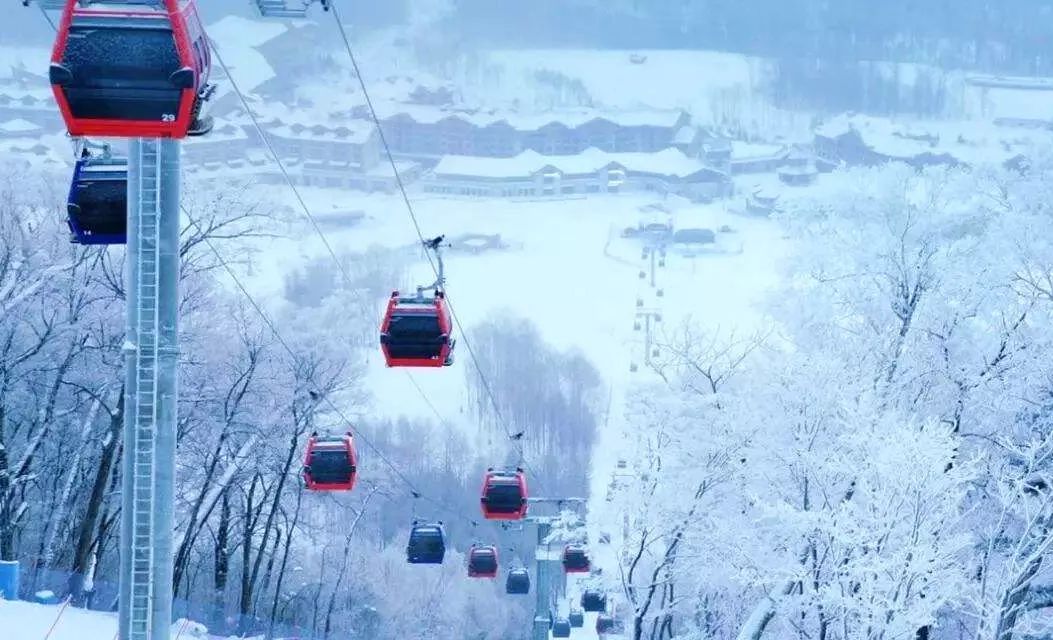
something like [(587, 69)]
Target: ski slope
[(567, 270)]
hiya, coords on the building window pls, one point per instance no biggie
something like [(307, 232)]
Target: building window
[(615, 178), (568, 189)]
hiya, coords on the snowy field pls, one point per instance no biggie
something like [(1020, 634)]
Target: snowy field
[(567, 270), (713, 86), (28, 621)]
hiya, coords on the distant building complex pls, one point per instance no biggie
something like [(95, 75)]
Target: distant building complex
[(449, 148), (857, 140), (432, 132), (533, 175)]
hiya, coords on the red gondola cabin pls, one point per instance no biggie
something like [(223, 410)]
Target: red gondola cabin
[(416, 331), (504, 495), (330, 464), (482, 562), (575, 559), (132, 71)]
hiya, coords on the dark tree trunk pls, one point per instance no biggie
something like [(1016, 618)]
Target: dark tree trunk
[(222, 568), (269, 524), (252, 514), (97, 498), (285, 557)]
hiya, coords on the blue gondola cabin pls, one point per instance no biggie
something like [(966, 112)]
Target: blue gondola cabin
[(416, 331), (427, 543), (517, 582), (330, 464), (593, 601), (577, 618), (97, 206), (132, 71)]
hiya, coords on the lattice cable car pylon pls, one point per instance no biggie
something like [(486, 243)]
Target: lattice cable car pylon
[(144, 393)]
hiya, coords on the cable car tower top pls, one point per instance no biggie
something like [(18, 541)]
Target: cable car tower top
[(287, 8)]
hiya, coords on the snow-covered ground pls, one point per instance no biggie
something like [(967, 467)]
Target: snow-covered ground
[(567, 270), (713, 86), (27, 620)]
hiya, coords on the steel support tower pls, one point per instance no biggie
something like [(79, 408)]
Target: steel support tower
[(550, 581), (150, 392), (648, 317), (543, 591)]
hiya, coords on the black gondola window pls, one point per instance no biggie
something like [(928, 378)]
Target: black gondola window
[(330, 466), (103, 206), (122, 74)]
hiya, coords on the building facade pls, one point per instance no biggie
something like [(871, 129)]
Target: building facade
[(432, 132), (532, 175), (344, 154)]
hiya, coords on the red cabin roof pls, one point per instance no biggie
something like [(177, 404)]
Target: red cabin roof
[(575, 559), (504, 495), (330, 464), (416, 332), (482, 561), (131, 72)]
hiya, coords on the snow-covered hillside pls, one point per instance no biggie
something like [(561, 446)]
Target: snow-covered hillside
[(829, 423)]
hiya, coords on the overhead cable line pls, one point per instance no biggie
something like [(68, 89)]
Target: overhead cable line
[(416, 493), (303, 204), (416, 225)]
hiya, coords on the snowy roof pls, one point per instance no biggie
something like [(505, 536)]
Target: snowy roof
[(13, 57), (28, 95), (356, 131), (969, 141), (249, 33), (383, 89), (1010, 103), (741, 150), (685, 135), (1009, 98), (1016, 82), (670, 162), (237, 39), (531, 121), (27, 145), (306, 115), (33, 151), (18, 125), (223, 131)]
